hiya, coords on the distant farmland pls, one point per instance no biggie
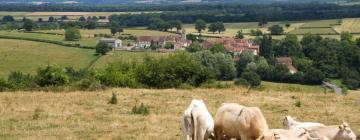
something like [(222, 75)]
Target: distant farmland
[(27, 56)]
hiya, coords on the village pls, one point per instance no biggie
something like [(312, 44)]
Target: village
[(172, 43)]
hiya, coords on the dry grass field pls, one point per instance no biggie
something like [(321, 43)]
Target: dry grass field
[(87, 115), (245, 27), (27, 56), (351, 25)]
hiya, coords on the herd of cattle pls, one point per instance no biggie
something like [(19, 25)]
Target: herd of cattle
[(248, 123)]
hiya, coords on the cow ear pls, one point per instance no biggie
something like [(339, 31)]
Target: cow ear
[(341, 127)]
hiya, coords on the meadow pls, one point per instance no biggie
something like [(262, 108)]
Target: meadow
[(88, 115), (27, 56), (351, 25), (70, 15), (84, 41)]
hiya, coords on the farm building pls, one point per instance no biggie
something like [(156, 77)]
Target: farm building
[(287, 61), (115, 43), (178, 42)]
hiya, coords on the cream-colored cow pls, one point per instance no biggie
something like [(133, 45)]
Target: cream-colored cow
[(196, 122), (236, 121)]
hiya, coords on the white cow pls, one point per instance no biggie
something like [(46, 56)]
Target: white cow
[(291, 123), (288, 134), (196, 122), (335, 132)]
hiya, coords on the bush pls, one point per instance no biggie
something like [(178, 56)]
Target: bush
[(119, 75), (113, 99), (90, 84), (142, 110), (241, 82), (3, 85), (18, 80), (37, 113), (252, 78), (51, 75), (172, 71), (102, 48), (297, 103), (72, 34)]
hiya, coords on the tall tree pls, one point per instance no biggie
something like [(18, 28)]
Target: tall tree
[(72, 34), (102, 48), (200, 25), (266, 47), (29, 25), (51, 19), (212, 28), (239, 35), (220, 27), (276, 30)]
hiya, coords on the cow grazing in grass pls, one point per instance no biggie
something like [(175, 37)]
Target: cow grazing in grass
[(236, 121), (196, 122)]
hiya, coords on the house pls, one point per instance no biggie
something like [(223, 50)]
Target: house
[(179, 42), (115, 43), (237, 46), (287, 61)]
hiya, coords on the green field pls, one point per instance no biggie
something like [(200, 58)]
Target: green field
[(27, 56), (70, 15), (321, 31), (84, 41), (320, 23)]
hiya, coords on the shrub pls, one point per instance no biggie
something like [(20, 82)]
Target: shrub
[(37, 112), (90, 84), (241, 82), (113, 100), (72, 34), (118, 75), (142, 110), (51, 75), (172, 71), (297, 103), (18, 80), (102, 48), (3, 85)]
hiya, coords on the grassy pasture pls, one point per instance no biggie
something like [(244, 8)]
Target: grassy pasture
[(323, 31), (320, 23), (245, 27), (87, 115), (27, 56), (71, 15), (351, 25), (133, 31), (84, 41)]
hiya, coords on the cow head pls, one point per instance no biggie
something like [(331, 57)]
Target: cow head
[(269, 136), (288, 121), (345, 132)]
